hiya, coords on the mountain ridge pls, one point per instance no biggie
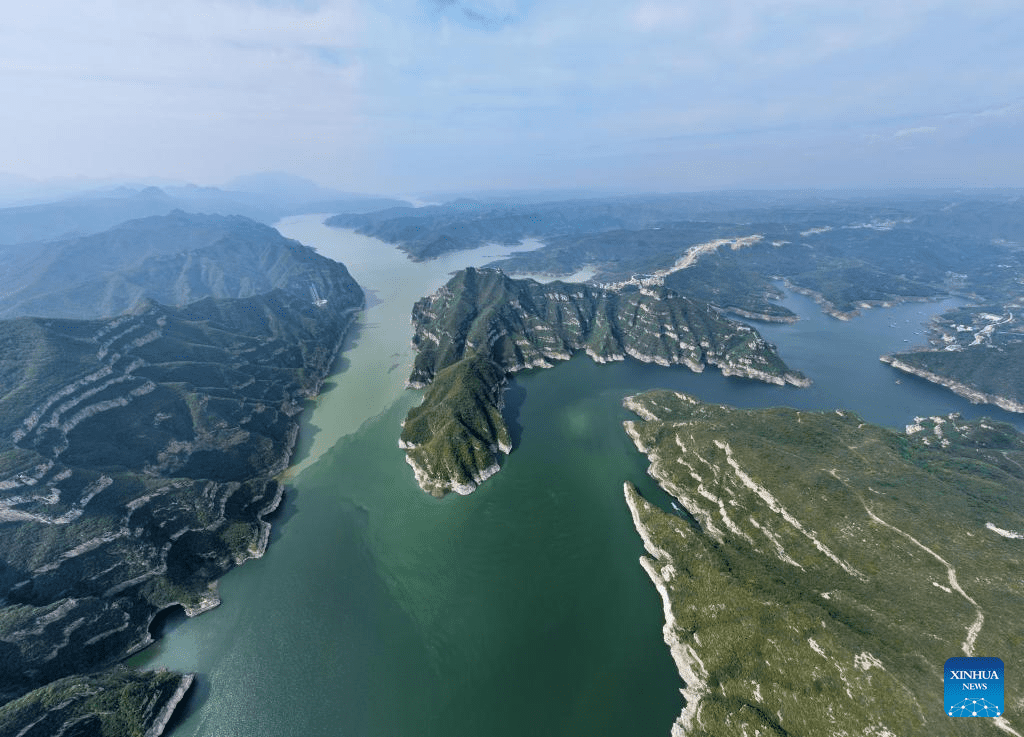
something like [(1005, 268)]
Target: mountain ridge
[(138, 462)]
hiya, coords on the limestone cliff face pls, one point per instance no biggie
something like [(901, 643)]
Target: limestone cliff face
[(979, 374), (520, 322), (483, 325)]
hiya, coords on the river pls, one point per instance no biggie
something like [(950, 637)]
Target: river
[(380, 611)]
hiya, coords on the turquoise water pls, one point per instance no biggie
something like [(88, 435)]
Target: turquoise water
[(520, 609)]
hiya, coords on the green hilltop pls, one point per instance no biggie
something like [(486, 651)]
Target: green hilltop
[(458, 430)]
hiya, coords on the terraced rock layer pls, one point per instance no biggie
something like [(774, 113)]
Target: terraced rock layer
[(820, 569), (138, 457), (118, 703)]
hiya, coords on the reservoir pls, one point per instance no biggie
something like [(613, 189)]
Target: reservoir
[(379, 611)]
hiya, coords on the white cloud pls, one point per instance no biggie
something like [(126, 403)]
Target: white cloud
[(364, 88), (904, 132)]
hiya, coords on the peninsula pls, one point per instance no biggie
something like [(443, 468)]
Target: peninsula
[(483, 325)]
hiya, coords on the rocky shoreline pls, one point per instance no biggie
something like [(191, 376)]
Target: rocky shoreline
[(760, 316), (832, 311), (688, 664), (211, 600), (164, 717), (798, 380), (972, 395)]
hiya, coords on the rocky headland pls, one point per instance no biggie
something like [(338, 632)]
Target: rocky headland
[(911, 363)]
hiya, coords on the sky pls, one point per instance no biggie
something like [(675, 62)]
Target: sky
[(404, 96)]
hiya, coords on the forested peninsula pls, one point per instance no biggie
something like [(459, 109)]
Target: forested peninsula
[(483, 325)]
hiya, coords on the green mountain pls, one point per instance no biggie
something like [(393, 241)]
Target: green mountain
[(174, 259), (453, 438), (820, 570), (138, 453), (980, 373), (483, 325)]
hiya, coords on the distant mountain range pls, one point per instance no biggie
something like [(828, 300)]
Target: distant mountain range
[(264, 198), (737, 250), (174, 259)]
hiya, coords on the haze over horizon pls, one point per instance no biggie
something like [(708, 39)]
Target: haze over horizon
[(396, 96)]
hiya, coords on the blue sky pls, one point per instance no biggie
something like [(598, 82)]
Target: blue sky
[(403, 96)]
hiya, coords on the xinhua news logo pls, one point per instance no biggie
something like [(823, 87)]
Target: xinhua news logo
[(974, 687)]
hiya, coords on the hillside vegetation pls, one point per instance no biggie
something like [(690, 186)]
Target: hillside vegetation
[(821, 569)]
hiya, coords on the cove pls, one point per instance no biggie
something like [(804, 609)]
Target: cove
[(520, 609)]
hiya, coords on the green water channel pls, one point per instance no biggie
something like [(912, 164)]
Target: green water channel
[(518, 610)]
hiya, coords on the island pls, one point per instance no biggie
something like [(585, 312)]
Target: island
[(816, 570), (483, 325), (139, 453)]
